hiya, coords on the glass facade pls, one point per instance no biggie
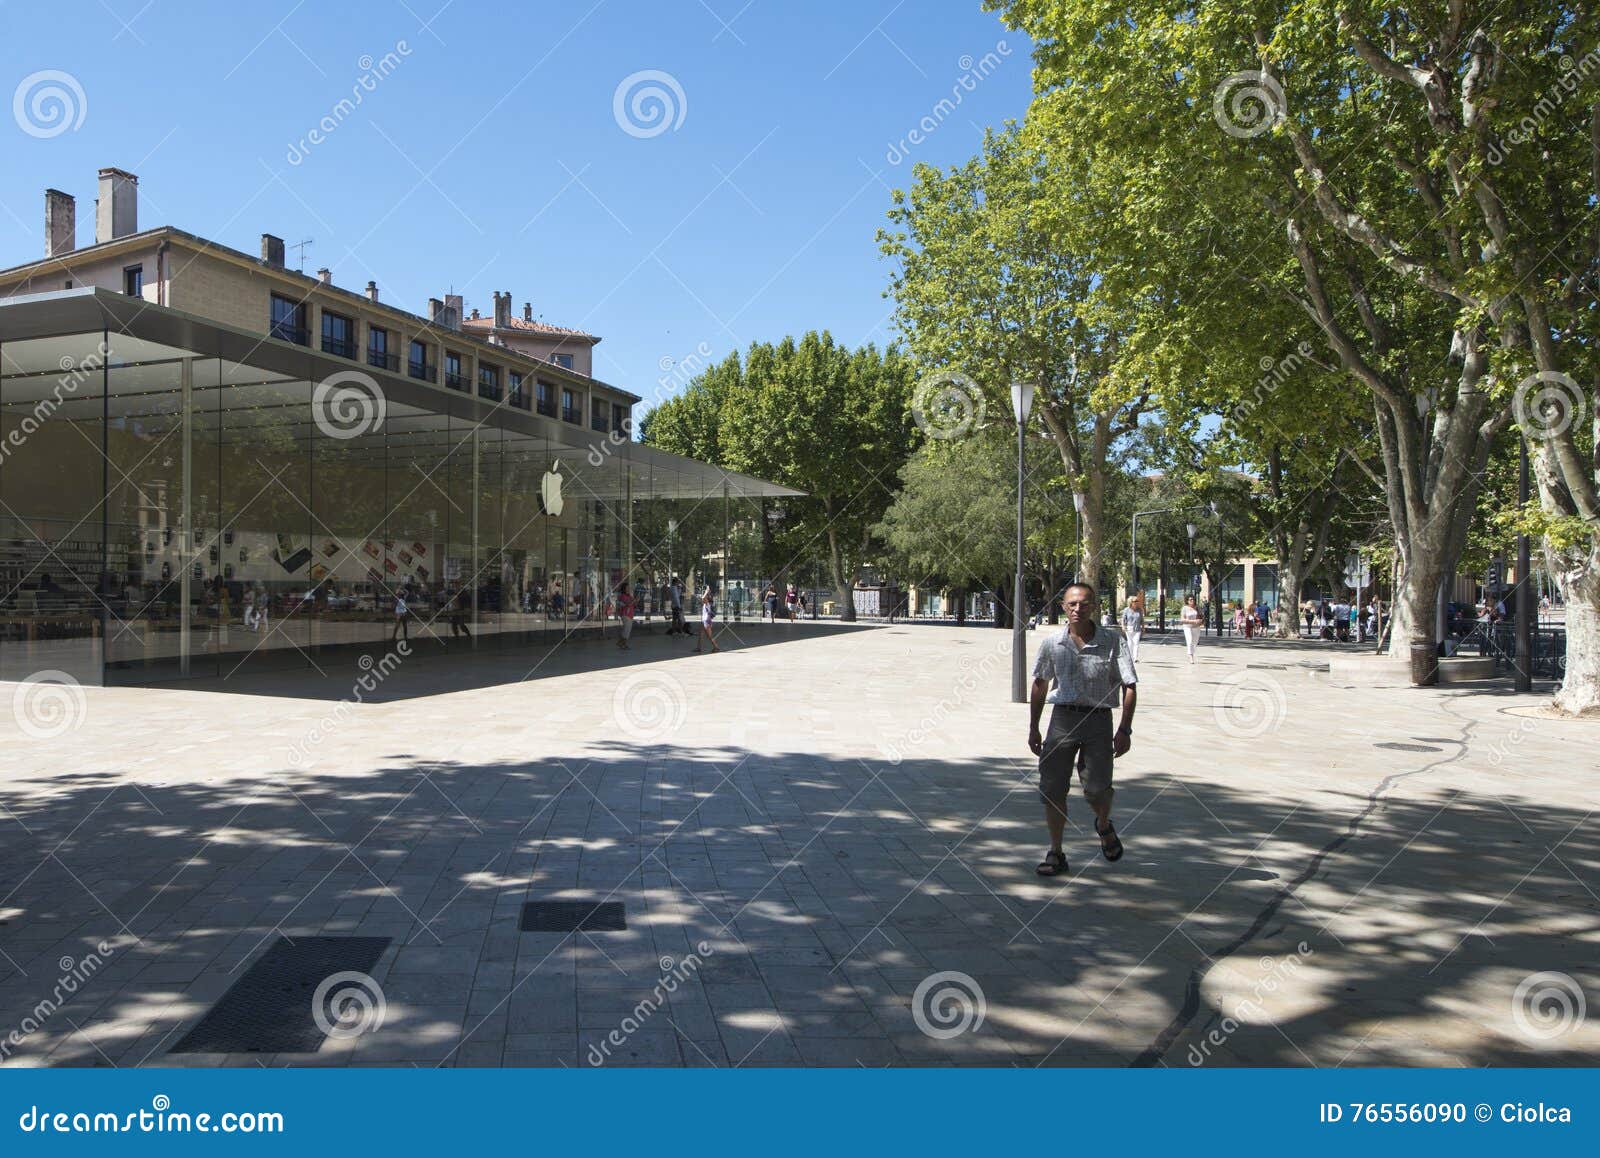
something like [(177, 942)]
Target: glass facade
[(169, 513)]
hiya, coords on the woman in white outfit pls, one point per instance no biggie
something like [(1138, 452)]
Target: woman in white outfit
[(1133, 624), (1191, 625)]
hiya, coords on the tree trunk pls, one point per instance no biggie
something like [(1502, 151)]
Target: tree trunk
[(847, 601), (1416, 603), (1579, 584), (1286, 616)]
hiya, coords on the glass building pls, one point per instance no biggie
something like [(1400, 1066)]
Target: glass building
[(181, 498)]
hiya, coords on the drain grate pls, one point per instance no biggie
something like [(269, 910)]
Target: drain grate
[(1409, 747), (1268, 666), (573, 916), (268, 1010)]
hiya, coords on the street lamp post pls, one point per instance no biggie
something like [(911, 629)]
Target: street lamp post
[(1191, 529), (1021, 404), (1216, 596), (1524, 604), (1077, 536)]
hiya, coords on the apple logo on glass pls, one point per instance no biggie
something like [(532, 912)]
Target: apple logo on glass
[(550, 490)]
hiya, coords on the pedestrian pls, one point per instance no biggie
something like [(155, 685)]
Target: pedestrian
[(675, 599), (460, 608), (402, 616), (1190, 621), (1132, 624), (1241, 622), (791, 600), (708, 619), (1310, 612), (1081, 672), (769, 604), (625, 610)]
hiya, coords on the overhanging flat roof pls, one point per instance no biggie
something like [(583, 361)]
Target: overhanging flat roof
[(92, 310)]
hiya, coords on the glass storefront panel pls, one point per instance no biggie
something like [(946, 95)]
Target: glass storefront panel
[(161, 488), (53, 612), (263, 557)]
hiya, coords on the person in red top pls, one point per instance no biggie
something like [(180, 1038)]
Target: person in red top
[(625, 608)]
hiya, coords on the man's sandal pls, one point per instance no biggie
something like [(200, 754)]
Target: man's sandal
[(1110, 842), (1053, 865)]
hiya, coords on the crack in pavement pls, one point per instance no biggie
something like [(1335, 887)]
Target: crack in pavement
[(1155, 1053)]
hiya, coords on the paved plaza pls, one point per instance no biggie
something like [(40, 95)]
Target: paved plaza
[(824, 840)]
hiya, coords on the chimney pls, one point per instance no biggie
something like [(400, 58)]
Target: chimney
[(435, 308), (272, 250), (474, 315), (325, 275), (372, 291), (60, 223), (116, 213), (527, 311), (502, 310), (452, 311)]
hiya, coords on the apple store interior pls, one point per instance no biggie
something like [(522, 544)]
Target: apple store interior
[(179, 499)]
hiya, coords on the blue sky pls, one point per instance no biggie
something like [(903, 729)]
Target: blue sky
[(491, 155)]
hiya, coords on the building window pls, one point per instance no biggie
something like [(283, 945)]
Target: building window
[(489, 382), (597, 415), (569, 406), (289, 320), (417, 362), (514, 388), (338, 335), (453, 377), (562, 360), (546, 398), (621, 423), (378, 350), (133, 281)]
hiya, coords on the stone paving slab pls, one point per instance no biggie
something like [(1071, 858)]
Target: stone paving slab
[(825, 841)]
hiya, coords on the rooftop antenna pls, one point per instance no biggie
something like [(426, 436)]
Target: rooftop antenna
[(301, 246)]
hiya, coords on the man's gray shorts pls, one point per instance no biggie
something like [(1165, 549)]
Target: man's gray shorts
[(1071, 732)]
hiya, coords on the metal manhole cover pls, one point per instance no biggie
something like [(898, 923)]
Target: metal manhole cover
[(269, 1009), (1408, 747), (573, 916)]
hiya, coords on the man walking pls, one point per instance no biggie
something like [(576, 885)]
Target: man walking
[(1091, 670), (675, 600)]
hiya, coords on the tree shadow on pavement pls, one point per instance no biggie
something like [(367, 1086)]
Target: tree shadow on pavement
[(820, 912)]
